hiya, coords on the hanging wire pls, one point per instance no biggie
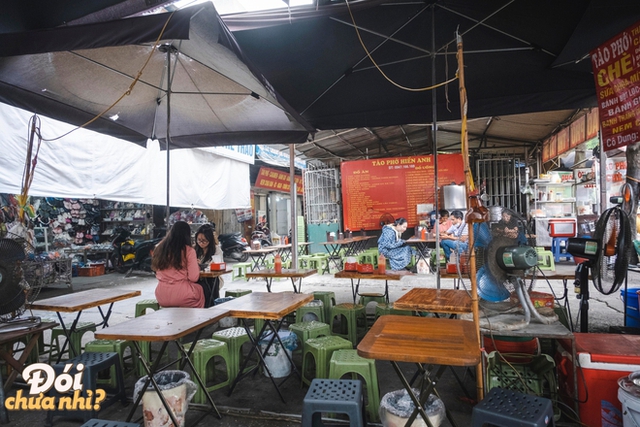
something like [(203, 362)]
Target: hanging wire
[(126, 93), (422, 89)]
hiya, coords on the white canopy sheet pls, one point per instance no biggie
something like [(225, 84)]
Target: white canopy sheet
[(86, 164)]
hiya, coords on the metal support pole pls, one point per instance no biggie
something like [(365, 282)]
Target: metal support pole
[(294, 204)]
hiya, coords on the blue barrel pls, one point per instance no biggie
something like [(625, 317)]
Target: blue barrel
[(630, 301)]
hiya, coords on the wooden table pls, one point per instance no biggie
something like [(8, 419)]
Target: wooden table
[(430, 341), (293, 274), (435, 300), (166, 325), (285, 249), (212, 279), (259, 256), (352, 246), (424, 247), (389, 275), (270, 307), (79, 301), (32, 334)]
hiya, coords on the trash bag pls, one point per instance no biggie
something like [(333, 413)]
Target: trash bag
[(396, 407), (276, 359), (177, 389)]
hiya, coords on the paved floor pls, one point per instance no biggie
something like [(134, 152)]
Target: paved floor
[(254, 402)]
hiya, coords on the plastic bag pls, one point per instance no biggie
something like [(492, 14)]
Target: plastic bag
[(276, 359), (396, 407), (177, 389)]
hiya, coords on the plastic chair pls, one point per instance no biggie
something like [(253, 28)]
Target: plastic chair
[(321, 350), (93, 364), (508, 408), (342, 396), (202, 355), (349, 362), (350, 315), (306, 330)]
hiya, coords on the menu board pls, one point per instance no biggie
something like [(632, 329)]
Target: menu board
[(616, 70), (371, 188)]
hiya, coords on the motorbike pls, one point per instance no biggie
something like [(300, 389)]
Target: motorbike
[(262, 234), (129, 254), (233, 246)]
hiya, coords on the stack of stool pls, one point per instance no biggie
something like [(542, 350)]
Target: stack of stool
[(116, 346), (349, 362), (306, 330), (508, 408), (93, 364), (321, 349), (341, 396), (235, 338), (353, 317), (559, 247), (328, 299), (203, 353)]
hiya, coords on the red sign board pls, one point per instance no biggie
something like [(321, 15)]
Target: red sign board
[(616, 69), (593, 124), (577, 132), (395, 185), (275, 180)]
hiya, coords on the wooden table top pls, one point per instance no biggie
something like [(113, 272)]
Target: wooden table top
[(266, 250), (168, 324), (435, 300), (422, 340), (212, 274), (266, 305), (389, 275), (288, 245), (82, 300), (293, 273), (348, 240), (415, 239), (11, 336)]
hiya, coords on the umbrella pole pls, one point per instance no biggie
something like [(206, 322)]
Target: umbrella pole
[(293, 192), (470, 187), (168, 49), (434, 140)]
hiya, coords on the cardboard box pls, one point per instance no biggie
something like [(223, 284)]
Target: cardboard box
[(602, 360), (91, 270)]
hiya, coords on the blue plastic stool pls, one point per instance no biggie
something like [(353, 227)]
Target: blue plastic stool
[(508, 408), (557, 246), (341, 396)]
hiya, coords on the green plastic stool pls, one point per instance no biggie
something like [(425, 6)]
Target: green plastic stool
[(366, 298), (239, 270), (143, 305), (321, 349), (114, 346), (304, 261), (328, 299), (368, 258), (384, 309), (545, 259), (349, 362), (203, 353), (350, 316), (236, 292), (306, 330), (320, 261), (311, 311), (235, 338), (76, 339)]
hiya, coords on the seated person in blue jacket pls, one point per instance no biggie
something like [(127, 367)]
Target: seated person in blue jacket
[(391, 245), (456, 238)]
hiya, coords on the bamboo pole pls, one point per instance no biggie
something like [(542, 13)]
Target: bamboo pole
[(468, 180)]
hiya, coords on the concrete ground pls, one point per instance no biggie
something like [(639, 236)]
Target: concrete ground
[(254, 401)]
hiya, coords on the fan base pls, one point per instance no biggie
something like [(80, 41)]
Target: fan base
[(19, 323)]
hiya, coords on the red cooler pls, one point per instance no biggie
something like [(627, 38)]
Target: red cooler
[(602, 360)]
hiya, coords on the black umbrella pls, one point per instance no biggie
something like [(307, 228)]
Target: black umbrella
[(315, 60)]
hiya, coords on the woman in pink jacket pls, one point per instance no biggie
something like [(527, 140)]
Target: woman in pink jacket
[(177, 270)]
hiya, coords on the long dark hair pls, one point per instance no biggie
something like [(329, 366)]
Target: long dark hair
[(207, 232), (170, 252)]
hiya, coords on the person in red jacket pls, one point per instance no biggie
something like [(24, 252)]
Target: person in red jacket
[(177, 269)]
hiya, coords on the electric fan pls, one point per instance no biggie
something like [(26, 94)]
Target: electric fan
[(14, 289), (504, 256), (386, 218)]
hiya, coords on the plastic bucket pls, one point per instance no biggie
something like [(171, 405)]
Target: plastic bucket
[(177, 389), (630, 301), (630, 408)]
